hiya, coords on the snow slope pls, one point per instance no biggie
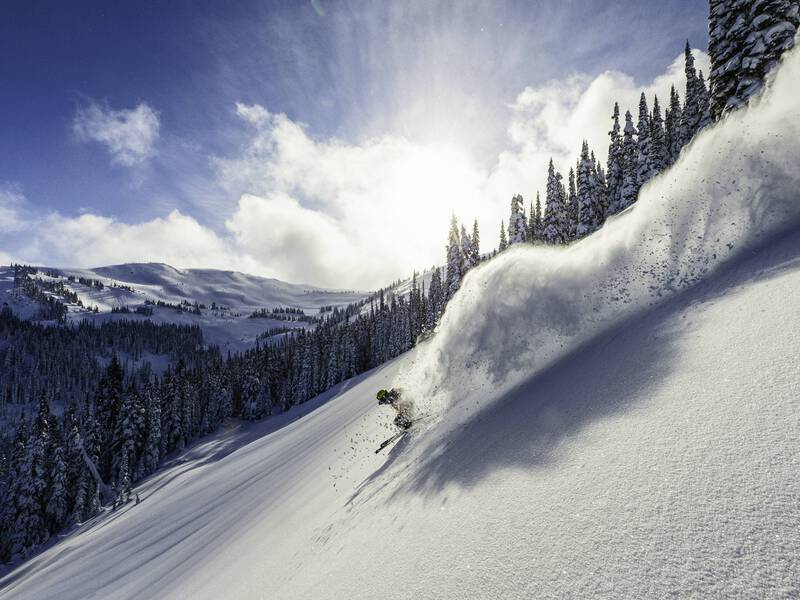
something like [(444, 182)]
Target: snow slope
[(659, 459), (133, 284), (617, 420)]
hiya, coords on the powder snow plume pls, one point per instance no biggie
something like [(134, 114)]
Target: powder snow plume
[(735, 186)]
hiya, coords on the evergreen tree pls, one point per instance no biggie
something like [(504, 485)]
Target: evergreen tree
[(455, 259), (554, 223), (152, 448), (572, 206), (643, 174), (436, 298), (598, 184), (672, 134), (81, 495), (658, 149), (123, 486), (13, 497), (516, 223), (107, 404), (466, 251), (503, 242), (475, 247), (746, 39), (30, 527), (703, 102), (614, 165), (56, 508), (536, 222), (630, 180), (587, 199), (690, 123)]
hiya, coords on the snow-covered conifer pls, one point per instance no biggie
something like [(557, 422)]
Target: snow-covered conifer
[(554, 223), (598, 191), (56, 508), (517, 226), (587, 198), (455, 259), (658, 149), (614, 163), (475, 246), (703, 102), (672, 127), (466, 250), (644, 173), (746, 39), (572, 206), (536, 224), (630, 170)]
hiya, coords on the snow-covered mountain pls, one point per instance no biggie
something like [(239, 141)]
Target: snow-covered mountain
[(228, 297), (618, 419)]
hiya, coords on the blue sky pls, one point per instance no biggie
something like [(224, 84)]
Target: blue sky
[(128, 111)]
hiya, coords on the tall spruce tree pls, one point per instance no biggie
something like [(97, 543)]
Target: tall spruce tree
[(658, 149), (555, 210), (587, 209), (690, 121), (572, 206), (455, 259), (630, 169), (503, 240), (598, 191), (643, 173), (466, 251), (537, 225), (614, 171), (704, 102), (475, 245), (517, 226), (672, 133)]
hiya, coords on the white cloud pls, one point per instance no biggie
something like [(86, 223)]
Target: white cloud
[(12, 211), (129, 135), (359, 215), (554, 119), (362, 214), (352, 215)]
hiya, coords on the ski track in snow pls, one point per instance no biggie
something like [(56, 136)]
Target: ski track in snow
[(637, 448)]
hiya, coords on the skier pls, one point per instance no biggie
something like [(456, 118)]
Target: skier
[(392, 397)]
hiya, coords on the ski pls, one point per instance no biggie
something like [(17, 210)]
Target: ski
[(400, 433), (385, 443)]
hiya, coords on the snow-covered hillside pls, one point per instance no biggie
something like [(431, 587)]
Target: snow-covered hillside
[(234, 297), (619, 419)]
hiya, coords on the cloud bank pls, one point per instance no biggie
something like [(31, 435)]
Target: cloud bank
[(129, 135), (328, 212)]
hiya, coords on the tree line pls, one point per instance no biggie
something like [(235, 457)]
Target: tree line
[(580, 205)]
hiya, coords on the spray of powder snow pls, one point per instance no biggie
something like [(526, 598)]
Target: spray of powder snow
[(733, 187)]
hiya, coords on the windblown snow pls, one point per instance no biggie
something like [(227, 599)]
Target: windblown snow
[(619, 419)]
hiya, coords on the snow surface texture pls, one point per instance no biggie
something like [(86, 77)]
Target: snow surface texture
[(654, 455), (734, 186)]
